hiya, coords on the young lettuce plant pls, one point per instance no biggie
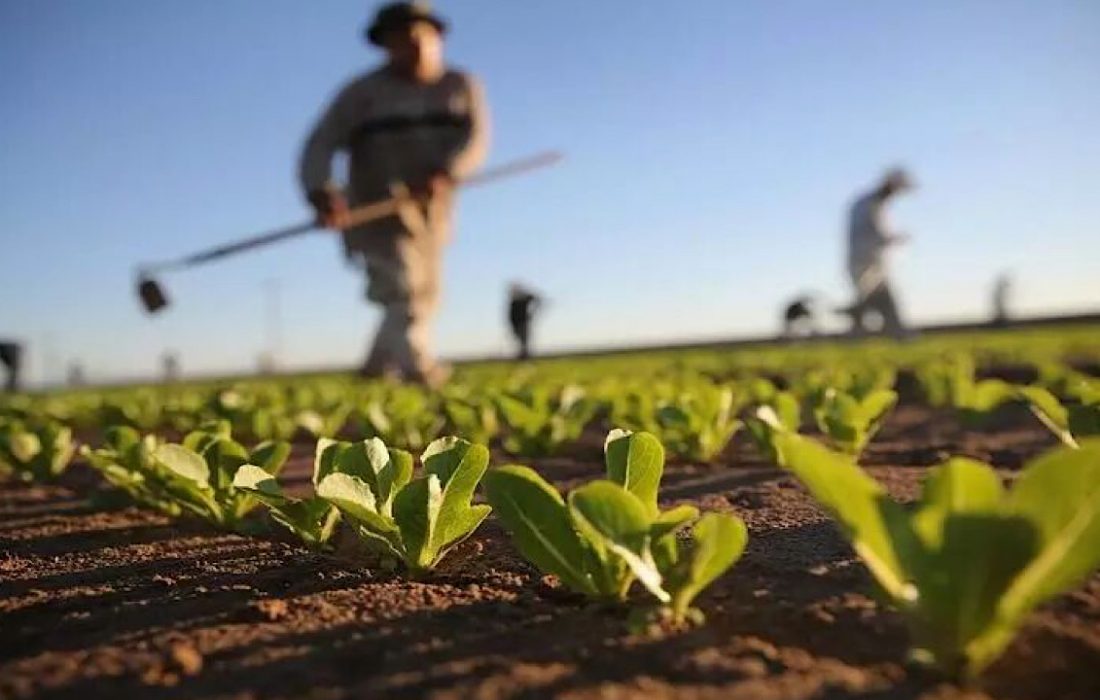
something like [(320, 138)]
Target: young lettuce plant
[(414, 520), (195, 476), (404, 416), (782, 411), (1069, 422), (35, 453), (610, 532), (969, 561), (850, 423), (700, 422), (539, 423), (313, 520), (477, 420)]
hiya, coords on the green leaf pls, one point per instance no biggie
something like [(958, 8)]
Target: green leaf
[(1049, 411), (718, 540), (25, 446), (416, 512), (1059, 493), (355, 499), (183, 463), (270, 456), (970, 554), (260, 482), (877, 526), (636, 462), (459, 466), (535, 515), (787, 410), (616, 525), (324, 458)]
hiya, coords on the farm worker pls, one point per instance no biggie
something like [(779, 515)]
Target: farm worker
[(11, 354), (869, 238), (414, 127), (522, 306)]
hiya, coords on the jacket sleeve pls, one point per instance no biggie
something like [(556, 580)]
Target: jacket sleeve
[(330, 135), (471, 153)]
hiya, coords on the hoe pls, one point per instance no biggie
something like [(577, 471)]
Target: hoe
[(153, 297)]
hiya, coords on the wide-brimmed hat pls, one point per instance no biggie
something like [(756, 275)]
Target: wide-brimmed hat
[(401, 14), (898, 179)]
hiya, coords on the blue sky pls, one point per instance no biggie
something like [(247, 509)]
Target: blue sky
[(712, 148)]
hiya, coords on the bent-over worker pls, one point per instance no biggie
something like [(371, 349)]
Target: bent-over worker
[(869, 238)]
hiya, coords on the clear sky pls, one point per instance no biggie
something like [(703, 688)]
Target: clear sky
[(712, 149)]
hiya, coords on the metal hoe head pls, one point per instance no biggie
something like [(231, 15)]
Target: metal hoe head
[(152, 296)]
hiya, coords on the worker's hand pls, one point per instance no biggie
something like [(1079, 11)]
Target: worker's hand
[(436, 184), (331, 209)]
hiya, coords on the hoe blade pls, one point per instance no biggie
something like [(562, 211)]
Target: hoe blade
[(152, 296)]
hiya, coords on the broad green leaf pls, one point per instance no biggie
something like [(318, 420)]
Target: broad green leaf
[(25, 446), (536, 517), (183, 463), (662, 534), (718, 540), (270, 456), (1049, 411), (355, 499), (636, 462), (324, 458), (459, 466), (258, 481), (416, 512), (615, 523), (787, 410), (1059, 493), (877, 526)]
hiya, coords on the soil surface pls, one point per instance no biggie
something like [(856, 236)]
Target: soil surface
[(125, 603)]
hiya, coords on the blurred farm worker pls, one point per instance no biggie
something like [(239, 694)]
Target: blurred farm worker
[(415, 127), (798, 317), (11, 355), (1002, 290), (869, 238), (523, 304)]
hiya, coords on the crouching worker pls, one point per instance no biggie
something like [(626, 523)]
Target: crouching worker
[(413, 127)]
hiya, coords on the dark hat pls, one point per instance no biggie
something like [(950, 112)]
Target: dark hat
[(401, 14)]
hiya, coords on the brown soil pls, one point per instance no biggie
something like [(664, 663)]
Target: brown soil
[(126, 603)]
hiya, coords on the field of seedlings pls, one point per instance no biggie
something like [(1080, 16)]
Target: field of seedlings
[(817, 520)]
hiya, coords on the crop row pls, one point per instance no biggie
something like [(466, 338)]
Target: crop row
[(964, 565)]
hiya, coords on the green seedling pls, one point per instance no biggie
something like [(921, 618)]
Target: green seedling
[(404, 416), (783, 411), (850, 423), (416, 521), (540, 422), (1070, 422), (477, 420), (700, 422), (968, 562), (35, 452), (313, 520), (193, 477), (610, 532)]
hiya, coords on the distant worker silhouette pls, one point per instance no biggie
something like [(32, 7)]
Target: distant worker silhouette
[(412, 125), (1002, 290), (523, 304), (869, 238), (798, 317), (11, 356)]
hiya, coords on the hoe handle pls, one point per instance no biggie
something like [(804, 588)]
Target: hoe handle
[(358, 216)]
